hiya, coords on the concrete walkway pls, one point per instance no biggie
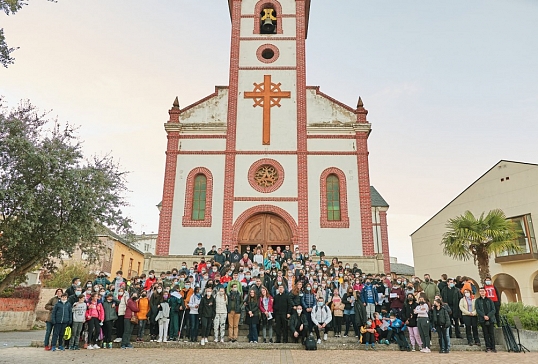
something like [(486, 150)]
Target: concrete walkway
[(12, 339)]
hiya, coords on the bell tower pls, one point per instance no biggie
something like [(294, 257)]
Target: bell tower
[(267, 111)]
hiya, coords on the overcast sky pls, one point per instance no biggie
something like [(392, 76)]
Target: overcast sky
[(451, 86)]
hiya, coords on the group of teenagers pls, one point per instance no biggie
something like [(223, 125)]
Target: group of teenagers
[(284, 292)]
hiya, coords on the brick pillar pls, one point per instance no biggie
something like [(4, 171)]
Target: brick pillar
[(361, 140), (384, 239), (302, 158), (165, 216)]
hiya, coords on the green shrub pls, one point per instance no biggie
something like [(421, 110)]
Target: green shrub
[(62, 277), (527, 314)]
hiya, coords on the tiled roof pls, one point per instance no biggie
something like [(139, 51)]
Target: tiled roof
[(402, 269), (377, 200)]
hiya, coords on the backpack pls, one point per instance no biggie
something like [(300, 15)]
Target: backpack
[(311, 343), (67, 333)]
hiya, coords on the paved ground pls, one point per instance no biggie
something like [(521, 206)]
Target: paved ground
[(116, 356), (20, 338)]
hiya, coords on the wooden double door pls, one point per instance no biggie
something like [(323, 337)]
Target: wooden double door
[(267, 230)]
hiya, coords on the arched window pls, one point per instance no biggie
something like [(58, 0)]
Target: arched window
[(333, 198), (273, 16), (199, 198)]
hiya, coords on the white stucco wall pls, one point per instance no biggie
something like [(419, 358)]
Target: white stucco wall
[(287, 53), (214, 110), (322, 110), (517, 196), (242, 206), (183, 240), (202, 144), (336, 241), (344, 145)]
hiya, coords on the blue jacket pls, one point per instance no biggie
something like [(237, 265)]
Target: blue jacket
[(308, 300), (365, 294), (397, 325), (62, 313)]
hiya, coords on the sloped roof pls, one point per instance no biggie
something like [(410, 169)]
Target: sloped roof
[(377, 199), (402, 269), (472, 184)]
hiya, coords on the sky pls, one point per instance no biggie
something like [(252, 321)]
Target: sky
[(451, 86)]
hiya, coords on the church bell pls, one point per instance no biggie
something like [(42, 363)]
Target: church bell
[(268, 20)]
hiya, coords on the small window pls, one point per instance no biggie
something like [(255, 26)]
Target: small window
[(333, 198), (268, 21), (199, 198)]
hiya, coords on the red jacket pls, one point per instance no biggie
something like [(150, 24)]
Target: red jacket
[(149, 283), (262, 307), (95, 310), (132, 306)]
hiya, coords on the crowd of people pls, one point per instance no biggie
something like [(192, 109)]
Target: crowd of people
[(282, 296)]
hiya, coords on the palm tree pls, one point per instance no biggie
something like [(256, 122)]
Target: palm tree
[(468, 237)]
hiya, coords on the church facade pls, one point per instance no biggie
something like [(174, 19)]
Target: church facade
[(269, 160)]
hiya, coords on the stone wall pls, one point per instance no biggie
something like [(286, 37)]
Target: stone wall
[(44, 297), (166, 263), (16, 314)]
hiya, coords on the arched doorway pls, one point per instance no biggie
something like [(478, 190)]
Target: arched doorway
[(264, 229), (508, 287)]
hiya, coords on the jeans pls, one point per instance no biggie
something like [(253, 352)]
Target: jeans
[(253, 331), (76, 329), (141, 328), (443, 342), (370, 309), (368, 338), (93, 330), (127, 331), (206, 326), (195, 324), (48, 333), (423, 324), (337, 324), (456, 322), (58, 334), (350, 320)]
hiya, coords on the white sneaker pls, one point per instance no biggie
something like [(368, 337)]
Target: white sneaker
[(325, 337), (319, 341), (216, 340), (165, 341), (90, 347), (221, 340), (117, 340), (96, 346), (159, 340), (205, 340), (202, 342)]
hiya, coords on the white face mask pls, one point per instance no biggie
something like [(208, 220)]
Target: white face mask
[(467, 294)]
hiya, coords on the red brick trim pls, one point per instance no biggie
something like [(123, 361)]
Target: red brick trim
[(189, 191), (258, 152), (322, 136), (263, 209), (364, 195), (208, 97), (229, 163), (267, 199), (248, 16), (344, 218), (318, 92), (302, 157), (17, 304), (262, 48), (201, 136), (257, 39), (385, 240), (258, 9), (268, 68), (254, 167), (165, 215)]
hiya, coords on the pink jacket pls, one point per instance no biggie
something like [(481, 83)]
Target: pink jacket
[(270, 306), (95, 310)]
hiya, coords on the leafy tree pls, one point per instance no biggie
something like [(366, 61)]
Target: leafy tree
[(9, 7), (52, 200), (468, 237)]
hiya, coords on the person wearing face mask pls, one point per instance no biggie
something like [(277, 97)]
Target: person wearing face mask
[(485, 310), (369, 298), (206, 310), (194, 303), (337, 309), (186, 293), (155, 300), (299, 325), (150, 281), (397, 296), (111, 315), (321, 318), (101, 280), (429, 288), (177, 307), (95, 314), (308, 302), (441, 321), (368, 333), (74, 297), (349, 301), (119, 280), (396, 331), (221, 312), (469, 318), (79, 318), (122, 297), (163, 318), (234, 312), (130, 310), (61, 317), (410, 319), (423, 322), (452, 297), (493, 294)]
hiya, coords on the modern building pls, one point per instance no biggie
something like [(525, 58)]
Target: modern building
[(267, 159), (146, 243), (509, 186)]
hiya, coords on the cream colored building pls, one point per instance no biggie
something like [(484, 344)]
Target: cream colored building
[(511, 187)]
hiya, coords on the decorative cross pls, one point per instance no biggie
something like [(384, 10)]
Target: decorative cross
[(267, 95)]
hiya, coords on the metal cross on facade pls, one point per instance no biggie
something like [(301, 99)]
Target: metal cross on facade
[(267, 95)]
